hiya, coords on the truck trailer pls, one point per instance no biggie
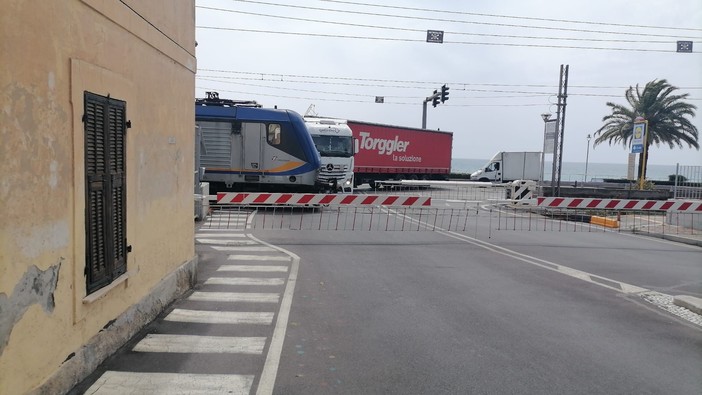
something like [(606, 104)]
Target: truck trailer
[(388, 152), (510, 166)]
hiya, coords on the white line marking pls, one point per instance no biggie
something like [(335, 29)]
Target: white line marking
[(244, 281), (119, 383), (244, 249), (581, 275), (270, 367), (214, 230), (258, 258), (200, 344), (252, 268), (226, 242), (220, 317), (235, 297), (235, 235)]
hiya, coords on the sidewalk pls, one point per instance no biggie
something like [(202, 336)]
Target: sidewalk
[(655, 226), (221, 338)]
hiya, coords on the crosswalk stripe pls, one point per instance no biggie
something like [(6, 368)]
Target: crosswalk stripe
[(241, 257), (253, 297), (235, 235), (205, 229), (220, 317), (252, 268), (200, 344), (118, 383), (226, 242), (243, 281), (244, 248)]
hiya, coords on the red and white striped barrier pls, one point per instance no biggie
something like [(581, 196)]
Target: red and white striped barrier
[(301, 199), (620, 204)]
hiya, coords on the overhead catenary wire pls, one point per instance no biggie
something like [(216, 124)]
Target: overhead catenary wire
[(511, 36), (362, 101), (236, 81), (445, 41), (455, 87), (421, 84), (541, 19), (375, 14)]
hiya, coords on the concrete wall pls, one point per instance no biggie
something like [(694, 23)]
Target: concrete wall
[(141, 52)]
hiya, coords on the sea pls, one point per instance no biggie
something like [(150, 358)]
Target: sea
[(575, 171)]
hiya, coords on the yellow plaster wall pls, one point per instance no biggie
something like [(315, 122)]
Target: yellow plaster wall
[(51, 53)]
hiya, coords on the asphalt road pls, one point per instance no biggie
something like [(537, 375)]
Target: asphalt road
[(493, 308), (434, 313)]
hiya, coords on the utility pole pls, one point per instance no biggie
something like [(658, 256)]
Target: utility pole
[(560, 127)]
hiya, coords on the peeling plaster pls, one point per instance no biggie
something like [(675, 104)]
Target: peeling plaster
[(36, 287)]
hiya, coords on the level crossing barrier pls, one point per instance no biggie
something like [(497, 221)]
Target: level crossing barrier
[(397, 210)]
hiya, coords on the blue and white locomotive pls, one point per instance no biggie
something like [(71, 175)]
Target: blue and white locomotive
[(246, 147)]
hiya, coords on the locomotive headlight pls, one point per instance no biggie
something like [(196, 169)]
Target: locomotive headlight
[(292, 178)]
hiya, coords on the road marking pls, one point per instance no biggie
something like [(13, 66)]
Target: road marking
[(216, 230), (252, 268), (118, 383), (235, 235), (200, 344), (244, 281), (270, 367), (220, 317), (234, 297), (575, 273), (244, 248), (226, 242), (242, 257)]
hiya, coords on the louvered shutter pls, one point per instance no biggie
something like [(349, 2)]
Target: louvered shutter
[(105, 173)]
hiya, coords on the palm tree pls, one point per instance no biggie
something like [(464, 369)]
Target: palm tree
[(665, 112)]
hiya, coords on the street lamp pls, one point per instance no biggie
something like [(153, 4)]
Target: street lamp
[(587, 155)]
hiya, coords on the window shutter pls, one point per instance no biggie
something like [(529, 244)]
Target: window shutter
[(105, 173), (117, 130)]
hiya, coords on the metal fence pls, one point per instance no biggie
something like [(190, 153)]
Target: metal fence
[(688, 182)]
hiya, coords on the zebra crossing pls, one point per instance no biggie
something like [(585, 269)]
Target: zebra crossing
[(235, 315)]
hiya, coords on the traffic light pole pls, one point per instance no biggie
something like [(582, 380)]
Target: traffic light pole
[(433, 98)]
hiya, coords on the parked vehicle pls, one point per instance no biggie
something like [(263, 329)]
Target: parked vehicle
[(336, 145), (247, 147), (388, 152), (510, 166)]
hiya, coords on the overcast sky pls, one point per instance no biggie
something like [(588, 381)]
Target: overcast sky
[(500, 58)]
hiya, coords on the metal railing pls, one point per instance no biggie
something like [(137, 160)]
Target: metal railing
[(688, 182)]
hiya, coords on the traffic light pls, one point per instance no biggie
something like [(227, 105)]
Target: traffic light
[(444, 93), (435, 99)]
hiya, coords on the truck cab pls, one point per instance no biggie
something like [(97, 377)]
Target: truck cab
[(510, 166), (336, 146), (491, 171)]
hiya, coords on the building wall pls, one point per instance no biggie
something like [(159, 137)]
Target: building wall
[(52, 51)]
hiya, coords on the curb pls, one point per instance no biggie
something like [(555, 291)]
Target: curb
[(689, 302), (675, 238)]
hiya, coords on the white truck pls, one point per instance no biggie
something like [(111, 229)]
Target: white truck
[(510, 166), (337, 147)]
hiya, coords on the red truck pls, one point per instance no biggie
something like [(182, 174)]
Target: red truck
[(387, 152)]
